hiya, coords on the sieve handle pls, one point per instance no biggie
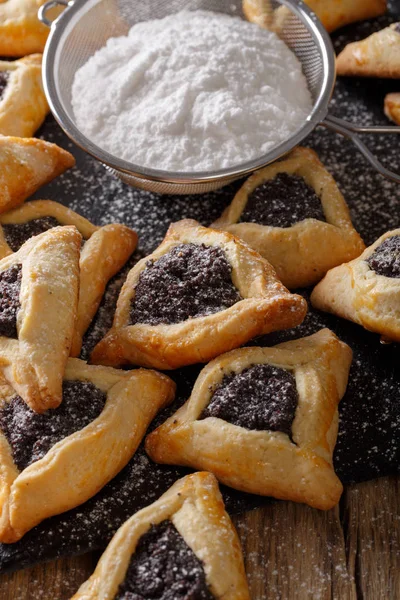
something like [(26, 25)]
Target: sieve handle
[(46, 7), (350, 131)]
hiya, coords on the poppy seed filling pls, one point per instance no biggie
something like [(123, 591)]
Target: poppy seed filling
[(386, 258), (10, 287), (261, 397), (163, 567), (282, 202), (31, 435), (189, 281), (17, 234), (4, 77)]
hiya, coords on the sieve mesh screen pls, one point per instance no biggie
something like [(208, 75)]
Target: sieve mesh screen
[(91, 23)]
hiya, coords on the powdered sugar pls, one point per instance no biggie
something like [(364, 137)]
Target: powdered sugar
[(194, 91)]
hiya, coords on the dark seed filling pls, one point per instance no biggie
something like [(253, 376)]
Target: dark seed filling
[(32, 435), (4, 77), (163, 567), (261, 397), (17, 234), (10, 287), (190, 281), (386, 258), (397, 27), (282, 202)]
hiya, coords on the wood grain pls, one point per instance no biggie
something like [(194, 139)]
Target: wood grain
[(295, 552), (292, 552), (372, 524)]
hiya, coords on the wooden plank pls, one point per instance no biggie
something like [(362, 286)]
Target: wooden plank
[(293, 552), (372, 523), (56, 580)]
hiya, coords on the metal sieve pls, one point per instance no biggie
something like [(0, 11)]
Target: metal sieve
[(85, 26)]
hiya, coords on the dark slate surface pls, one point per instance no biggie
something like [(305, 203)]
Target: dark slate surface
[(368, 444)]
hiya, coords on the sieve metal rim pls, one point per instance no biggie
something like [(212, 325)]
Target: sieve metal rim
[(317, 115)]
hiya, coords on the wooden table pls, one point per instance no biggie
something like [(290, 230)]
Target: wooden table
[(292, 552)]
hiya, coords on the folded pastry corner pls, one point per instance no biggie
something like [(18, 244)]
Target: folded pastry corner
[(21, 32), (185, 541), (293, 214), (25, 165), (275, 410), (367, 289), (23, 104), (392, 107), (200, 293), (105, 251), (52, 462), (38, 302), (376, 56), (332, 13)]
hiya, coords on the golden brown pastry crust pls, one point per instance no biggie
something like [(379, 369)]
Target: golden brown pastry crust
[(25, 165), (355, 292), (266, 462), (105, 252), (392, 107), (332, 13), (78, 466), (266, 306), (21, 32), (23, 105), (303, 253), (35, 364), (376, 56), (194, 505)]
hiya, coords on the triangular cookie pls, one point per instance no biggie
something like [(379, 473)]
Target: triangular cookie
[(332, 13), (264, 420), (189, 523), (367, 289), (51, 463), (21, 32), (23, 104), (38, 302), (25, 165), (376, 56), (105, 251), (201, 293), (293, 214)]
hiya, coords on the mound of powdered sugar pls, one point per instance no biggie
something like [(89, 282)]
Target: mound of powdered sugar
[(193, 91)]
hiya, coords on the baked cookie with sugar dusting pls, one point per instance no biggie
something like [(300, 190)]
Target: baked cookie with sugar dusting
[(21, 32), (376, 56), (39, 287), (25, 165), (264, 420), (104, 252), (200, 293), (55, 461), (367, 289), (23, 104), (332, 13), (185, 541), (293, 214)]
